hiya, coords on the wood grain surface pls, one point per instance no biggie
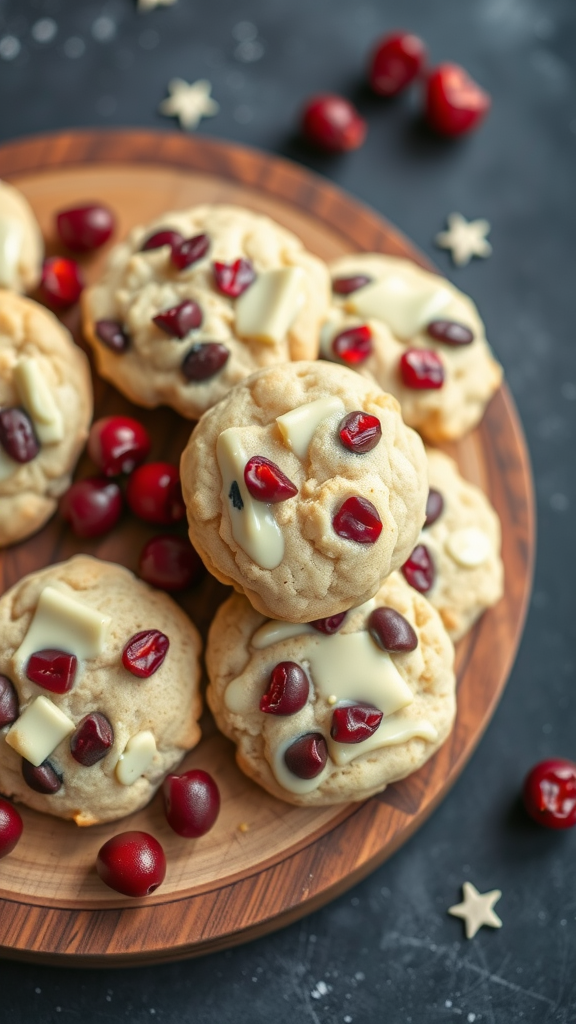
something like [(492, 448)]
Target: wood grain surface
[(265, 863)]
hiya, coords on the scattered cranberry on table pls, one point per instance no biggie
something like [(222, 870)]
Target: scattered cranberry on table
[(354, 723), (434, 506), (550, 793), (92, 739), (42, 779), (85, 228), (61, 282), (348, 285), (188, 251), (166, 236), (353, 345), (117, 444), (397, 60), (266, 481), (329, 625), (419, 569), (204, 360), (92, 506), (287, 691), (154, 493), (358, 520), (17, 436), (112, 334), (10, 827), (455, 103), (179, 320), (170, 563), (52, 669), (191, 803), (333, 123), (421, 369), (360, 432), (132, 863), (145, 652), (232, 279), (307, 756), (8, 701), (391, 631)]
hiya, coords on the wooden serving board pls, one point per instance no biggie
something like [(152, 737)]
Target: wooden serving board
[(265, 863)]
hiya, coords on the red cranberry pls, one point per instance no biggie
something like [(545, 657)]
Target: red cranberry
[(191, 803), (164, 237), (434, 506), (43, 779), (455, 103), (117, 444), (17, 436), (155, 495), (10, 827), (232, 279), (307, 756), (353, 345), (170, 563), (266, 481), (287, 691), (347, 285), (550, 793), (450, 332), (52, 669), (391, 631), (92, 506), (419, 569), (353, 723), (358, 520), (84, 228), (180, 320), (8, 702), (145, 652), (329, 625), (189, 251), (331, 122), (397, 60), (132, 863), (92, 739), (112, 334), (360, 432), (421, 369), (204, 360), (61, 281)]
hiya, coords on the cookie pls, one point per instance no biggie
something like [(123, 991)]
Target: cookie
[(333, 713), (241, 293), (304, 489), (21, 243), (93, 735), (418, 336), (45, 413)]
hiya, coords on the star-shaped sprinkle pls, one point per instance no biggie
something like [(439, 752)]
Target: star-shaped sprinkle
[(477, 909), (149, 5), (465, 239), (189, 103)]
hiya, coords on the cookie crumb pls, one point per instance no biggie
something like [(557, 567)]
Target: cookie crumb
[(243, 827)]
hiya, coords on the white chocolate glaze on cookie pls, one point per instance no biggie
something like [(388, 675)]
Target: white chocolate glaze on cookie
[(21, 244)]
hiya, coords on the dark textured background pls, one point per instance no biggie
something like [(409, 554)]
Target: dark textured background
[(387, 951)]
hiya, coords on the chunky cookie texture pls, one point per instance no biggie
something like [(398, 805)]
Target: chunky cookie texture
[(99, 690), (418, 336), (198, 300), (323, 715), (303, 507), (21, 244), (45, 412)]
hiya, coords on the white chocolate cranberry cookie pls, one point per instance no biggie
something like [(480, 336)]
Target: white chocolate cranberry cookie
[(304, 489), (418, 336), (21, 243), (336, 711), (45, 413), (99, 690), (199, 299)]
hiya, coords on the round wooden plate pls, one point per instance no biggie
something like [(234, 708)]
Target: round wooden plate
[(265, 863)]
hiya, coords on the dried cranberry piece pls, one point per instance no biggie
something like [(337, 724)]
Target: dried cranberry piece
[(179, 320), (43, 779), (232, 279), (450, 332), (10, 827), (550, 793), (333, 123), (419, 569), (455, 103), (8, 702), (434, 506), (204, 360), (287, 691), (144, 653), (62, 282), (354, 723), (191, 803), (266, 481), (85, 228), (391, 631), (92, 739), (112, 334), (353, 345), (17, 436), (358, 520), (329, 625), (92, 506), (347, 285), (154, 493), (166, 236), (421, 369), (52, 669), (397, 61), (189, 251), (170, 563), (360, 432), (132, 863), (117, 444), (307, 756)]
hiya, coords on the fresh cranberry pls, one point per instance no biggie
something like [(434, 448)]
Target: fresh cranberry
[(145, 652), (550, 793), (8, 702), (307, 756), (132, 863), (353, 723), (347, 285), (52, 669), (170, 563), (358, 520), (189, 251), (204, 360), (329, 625), (397, 60), (287, 691), (43, 779), (266, 481), (84, 228), (421, 369), (391, 631), (92, 506), (155, 495), (10, 827), (353, 345), (92, 739), (17, 436), (179, 320), (164, 237), (61, 281), (450, 332), (191, 803), (232, 279), (455, 103), (360, 432), (117, 444), (112, 334), (419, 569), (434, 506), (331, 122)]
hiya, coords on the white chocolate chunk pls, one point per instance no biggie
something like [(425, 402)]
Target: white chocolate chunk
[(390, 731), (38, 401), (137, 757), (62, 622), (405, 308), (352, 667), (39, 730), (468, 547), (8, 466), (266, 310), (11, 238), (254, 527), (274, 632), (299, 425)]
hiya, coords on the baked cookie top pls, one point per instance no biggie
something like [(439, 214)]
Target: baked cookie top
[(304, 489), (325, 717), (45, 413), (21, 243), (94, 736), (246, 293), (418, 336)]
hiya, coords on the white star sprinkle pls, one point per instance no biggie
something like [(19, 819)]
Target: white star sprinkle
[(189, 103), (465, 239), (477, 909), (149, 5)]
